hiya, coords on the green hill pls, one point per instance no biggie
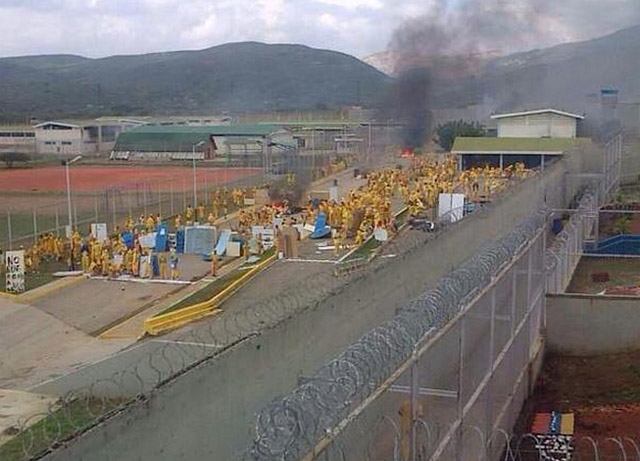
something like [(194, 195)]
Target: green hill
[(244, 76)]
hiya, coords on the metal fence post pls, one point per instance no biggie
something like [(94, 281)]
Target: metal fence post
[(113, 204), (75, 216), (9, 230), (144, 197), (529, 276), (492, 346), (206, 191), (184, 195), (129, 200), (95, 208), (171, 197), (460, 402), (57, 223), (35, 226), (514, 297), (415, 392)]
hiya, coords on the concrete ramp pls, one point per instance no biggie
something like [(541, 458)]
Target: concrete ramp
[(37, 347)]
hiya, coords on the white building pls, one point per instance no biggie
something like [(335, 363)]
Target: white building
[(18, 138), (544, 123), (88, 137)]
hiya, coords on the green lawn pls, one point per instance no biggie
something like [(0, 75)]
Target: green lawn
[(59, 425), (213, 288), (22, 229), (364, 250)]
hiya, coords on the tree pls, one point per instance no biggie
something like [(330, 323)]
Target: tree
[(448, 132), (9, 158)]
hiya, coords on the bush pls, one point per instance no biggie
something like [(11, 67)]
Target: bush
[(9, 158)]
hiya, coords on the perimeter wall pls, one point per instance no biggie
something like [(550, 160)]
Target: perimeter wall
[(587, 325), (209, 411)]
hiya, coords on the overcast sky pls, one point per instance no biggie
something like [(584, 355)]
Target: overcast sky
[(97, 28)]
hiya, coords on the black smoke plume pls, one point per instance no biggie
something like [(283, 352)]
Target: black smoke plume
[(451, 44)]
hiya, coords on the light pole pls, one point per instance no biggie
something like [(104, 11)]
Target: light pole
[(66, 164), (195, 186)]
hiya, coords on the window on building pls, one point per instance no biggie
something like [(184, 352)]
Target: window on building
[(50, 143), (66, 143)]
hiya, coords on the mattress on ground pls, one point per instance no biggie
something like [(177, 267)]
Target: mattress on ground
[(199, 239)]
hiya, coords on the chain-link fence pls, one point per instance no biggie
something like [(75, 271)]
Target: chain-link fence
[(564, 254), (21, 226), (459, 353), (464, 297)]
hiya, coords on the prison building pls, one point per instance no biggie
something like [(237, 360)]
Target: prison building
[(227, 143), (73, 137), (18, 138), (543, 123), (502, 152)]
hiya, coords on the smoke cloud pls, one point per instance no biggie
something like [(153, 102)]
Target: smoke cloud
[(454, 40)]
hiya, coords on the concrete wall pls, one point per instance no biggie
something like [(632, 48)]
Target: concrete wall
[(537, 126), (63, 141), (584, 324), (17, 140), (209, 412)]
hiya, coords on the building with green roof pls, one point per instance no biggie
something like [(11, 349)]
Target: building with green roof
[(204, 142), (533, 152)]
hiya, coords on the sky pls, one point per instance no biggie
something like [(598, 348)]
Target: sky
[(97, 28)]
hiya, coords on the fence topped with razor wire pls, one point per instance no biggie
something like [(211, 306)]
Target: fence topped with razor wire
[(106, 391), (564, 253), (314, 420)]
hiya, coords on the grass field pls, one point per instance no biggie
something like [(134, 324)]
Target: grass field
[(60, 424)]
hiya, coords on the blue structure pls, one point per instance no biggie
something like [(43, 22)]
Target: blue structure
[(321, 229), (180, 240), (162, 242), (627, 244)]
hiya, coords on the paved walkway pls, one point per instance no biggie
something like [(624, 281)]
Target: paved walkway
[(133, 328), (36, 346)]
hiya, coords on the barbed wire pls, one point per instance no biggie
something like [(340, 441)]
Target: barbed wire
[(290, 426), (293, 423), (560, 250), (383, 436)]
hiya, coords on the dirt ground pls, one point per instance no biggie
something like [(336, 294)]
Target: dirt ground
[(603, 392), (623, 272), (95, 177)]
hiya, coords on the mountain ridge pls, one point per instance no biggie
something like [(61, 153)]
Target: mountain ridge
[(236, 76)]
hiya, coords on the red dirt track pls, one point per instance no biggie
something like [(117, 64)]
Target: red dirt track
[(91, 178)]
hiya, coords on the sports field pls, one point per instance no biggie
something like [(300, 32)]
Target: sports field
[(95, 178)]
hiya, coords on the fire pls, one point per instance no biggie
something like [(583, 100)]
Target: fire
[(407, 152)]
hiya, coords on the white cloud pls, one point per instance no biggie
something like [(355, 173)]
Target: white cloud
[(360, 27), (354, 4)]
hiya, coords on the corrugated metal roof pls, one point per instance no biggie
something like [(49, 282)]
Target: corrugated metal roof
[(536, 112), (255, 129), (464, 145), (172, 138)]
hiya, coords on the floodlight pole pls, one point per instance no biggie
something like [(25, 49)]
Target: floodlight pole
[(66, 165), (195, 187), (195, 184)]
